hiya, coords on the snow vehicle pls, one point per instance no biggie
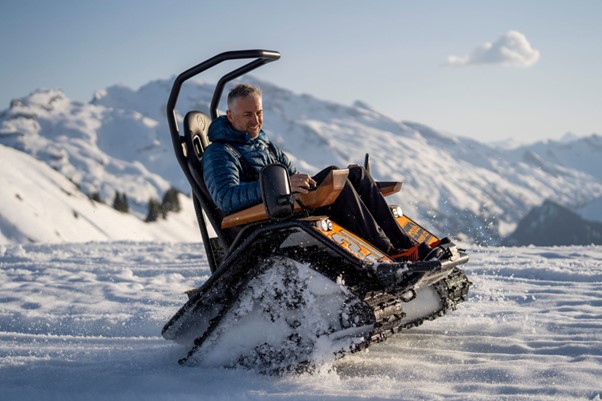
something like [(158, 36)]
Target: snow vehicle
[(288, 289)]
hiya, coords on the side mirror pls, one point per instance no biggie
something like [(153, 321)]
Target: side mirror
[(276, 192)]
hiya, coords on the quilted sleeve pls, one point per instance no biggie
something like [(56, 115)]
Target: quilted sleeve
[(222, 172)]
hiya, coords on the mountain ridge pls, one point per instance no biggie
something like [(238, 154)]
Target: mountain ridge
[(551, 224), (119, 141)]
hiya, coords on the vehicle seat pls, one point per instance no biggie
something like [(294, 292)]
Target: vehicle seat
[(196, 125), (209, 216)]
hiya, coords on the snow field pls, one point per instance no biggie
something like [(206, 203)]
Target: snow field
[(83, 321)]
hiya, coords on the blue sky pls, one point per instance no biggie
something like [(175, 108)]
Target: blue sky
[(539, 78)]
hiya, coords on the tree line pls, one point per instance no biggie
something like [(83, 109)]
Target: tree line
[(156, 209)]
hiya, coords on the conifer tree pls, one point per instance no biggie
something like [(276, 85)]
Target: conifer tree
[(154, 210), (120, 202), (96, 197), (171, 202), (126, 204)]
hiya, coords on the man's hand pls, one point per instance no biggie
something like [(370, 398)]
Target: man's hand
[(301, 183)]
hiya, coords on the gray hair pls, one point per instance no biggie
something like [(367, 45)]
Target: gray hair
[(242, 90)]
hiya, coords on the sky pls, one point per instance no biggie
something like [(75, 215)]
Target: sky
[(493, 71)]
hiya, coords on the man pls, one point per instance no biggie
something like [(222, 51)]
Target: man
[(239, 150)]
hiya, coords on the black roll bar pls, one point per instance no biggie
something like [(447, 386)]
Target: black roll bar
[(261, 57)]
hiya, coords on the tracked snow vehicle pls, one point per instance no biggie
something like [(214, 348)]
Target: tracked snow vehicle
[(288, 289)]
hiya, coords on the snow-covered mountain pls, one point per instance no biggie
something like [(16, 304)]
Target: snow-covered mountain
[(101, 150), (581, 154), (39, 204), (119, 142)]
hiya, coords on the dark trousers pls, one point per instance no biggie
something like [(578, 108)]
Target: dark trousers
[(362, 209)]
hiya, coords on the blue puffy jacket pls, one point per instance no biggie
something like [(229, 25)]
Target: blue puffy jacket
[(222, 169)]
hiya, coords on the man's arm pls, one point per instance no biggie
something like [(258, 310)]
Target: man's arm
[(221, 172)]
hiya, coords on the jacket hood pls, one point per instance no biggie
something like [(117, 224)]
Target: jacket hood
[(221, 130)]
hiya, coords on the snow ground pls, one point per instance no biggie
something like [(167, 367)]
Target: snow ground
[(83, 321)]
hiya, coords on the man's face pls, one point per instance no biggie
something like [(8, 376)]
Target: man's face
[(246, 114)]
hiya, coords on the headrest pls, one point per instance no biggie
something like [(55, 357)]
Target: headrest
[(196, 126)]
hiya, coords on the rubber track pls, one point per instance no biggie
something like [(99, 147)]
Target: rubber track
[(388, 308)]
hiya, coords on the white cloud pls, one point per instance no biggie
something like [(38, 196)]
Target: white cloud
[(511, 49)]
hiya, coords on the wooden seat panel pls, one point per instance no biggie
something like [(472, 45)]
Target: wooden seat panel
[(326, 193)]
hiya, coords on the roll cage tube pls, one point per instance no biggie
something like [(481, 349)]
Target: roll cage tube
[(261, 57)]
